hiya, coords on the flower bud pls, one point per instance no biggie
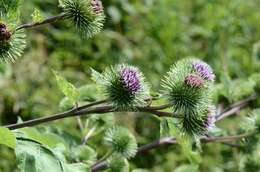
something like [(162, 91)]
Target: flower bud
[(4, 33), (194, 81), (97, 6)]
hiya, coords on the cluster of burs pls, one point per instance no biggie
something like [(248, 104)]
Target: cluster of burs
[(86, 16), (187, 87)]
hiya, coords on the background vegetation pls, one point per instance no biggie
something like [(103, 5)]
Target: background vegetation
[(152, 35)]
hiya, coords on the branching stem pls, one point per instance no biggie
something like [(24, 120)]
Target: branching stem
[(93, 108)]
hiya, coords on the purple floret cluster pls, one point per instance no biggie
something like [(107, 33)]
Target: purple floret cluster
[(204, 70), (97, 6), (130, 79)]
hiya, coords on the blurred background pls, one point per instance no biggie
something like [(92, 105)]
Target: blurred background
[(151, 34)]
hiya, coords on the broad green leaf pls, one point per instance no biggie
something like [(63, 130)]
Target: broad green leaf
[(67, 88), (48, 139), (34, 157), (7, 138), (97, 77), (37, 16)]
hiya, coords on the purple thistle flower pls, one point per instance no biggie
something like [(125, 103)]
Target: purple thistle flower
[(203, 69), (97, 6), (194, 81), (130, 79)]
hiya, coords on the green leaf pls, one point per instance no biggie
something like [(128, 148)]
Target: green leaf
[(7, 138), (97, 77), (46, 138), (34, 157), (67, 88), (37, 16)]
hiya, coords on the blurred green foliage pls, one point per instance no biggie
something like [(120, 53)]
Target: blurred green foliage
[(151, 34)]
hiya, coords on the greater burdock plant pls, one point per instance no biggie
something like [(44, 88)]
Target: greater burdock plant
[(184, 106)]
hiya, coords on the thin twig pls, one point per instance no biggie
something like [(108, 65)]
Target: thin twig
[(46, 21), (235, 107)]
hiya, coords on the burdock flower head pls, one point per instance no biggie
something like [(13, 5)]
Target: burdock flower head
[(86, 15), (124, 85), (12, 43), (203, 69), (186, 87), (122, 141)]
